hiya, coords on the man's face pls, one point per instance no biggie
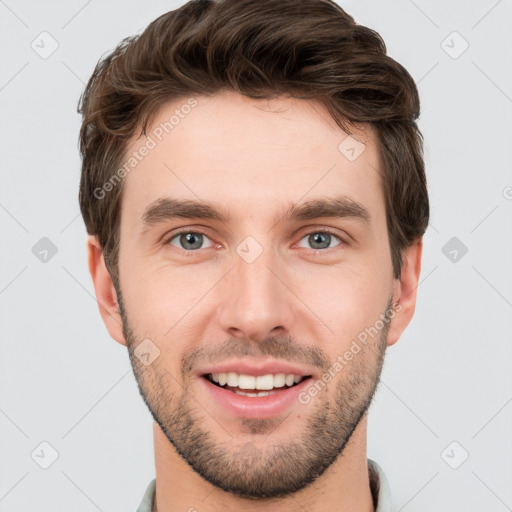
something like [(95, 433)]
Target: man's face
[(255, 286)]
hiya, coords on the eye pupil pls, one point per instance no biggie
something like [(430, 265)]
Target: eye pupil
[(188, 238), (320, 238)]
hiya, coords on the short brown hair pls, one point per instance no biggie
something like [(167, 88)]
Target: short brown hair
[(308, 49)]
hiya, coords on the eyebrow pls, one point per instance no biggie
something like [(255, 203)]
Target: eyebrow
[(167, 208)]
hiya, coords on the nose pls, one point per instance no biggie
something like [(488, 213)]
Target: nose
[(254, 301)]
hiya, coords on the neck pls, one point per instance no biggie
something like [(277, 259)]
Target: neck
[(343, 487)]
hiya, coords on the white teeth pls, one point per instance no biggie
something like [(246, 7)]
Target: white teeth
[(259, 393), (245, 382), (280, 380), (262, 382)]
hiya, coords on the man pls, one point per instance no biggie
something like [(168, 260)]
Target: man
[(254, 190)]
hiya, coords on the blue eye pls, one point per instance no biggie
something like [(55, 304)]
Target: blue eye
[(320, 240), (189, 240), (192, 241)]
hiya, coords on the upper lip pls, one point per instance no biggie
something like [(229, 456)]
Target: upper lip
[(255, 368)]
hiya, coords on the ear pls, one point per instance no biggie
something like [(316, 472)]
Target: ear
[(404, 291), (106, 295)]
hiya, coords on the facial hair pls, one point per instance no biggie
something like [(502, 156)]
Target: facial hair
[(278, 469)]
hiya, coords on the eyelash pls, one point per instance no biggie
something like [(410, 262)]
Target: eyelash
[(199, 232)]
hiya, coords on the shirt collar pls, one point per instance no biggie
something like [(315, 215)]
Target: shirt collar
[(379, 486)]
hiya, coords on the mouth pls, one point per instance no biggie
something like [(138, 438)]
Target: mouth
[(250, 396), (253, 387)]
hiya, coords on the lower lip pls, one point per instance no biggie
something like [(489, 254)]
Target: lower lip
[(258, 407)]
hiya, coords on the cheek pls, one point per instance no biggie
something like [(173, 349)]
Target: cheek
[(346, 299), (161, 299)]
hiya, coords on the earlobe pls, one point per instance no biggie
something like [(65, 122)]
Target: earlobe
[(405, 291), (106, 295)]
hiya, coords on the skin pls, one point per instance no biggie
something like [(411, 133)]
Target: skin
[(293, 303)]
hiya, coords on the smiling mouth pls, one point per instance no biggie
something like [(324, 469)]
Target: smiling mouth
[(253, 392)]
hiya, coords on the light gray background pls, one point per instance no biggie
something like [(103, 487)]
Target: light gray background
[(66, 382)]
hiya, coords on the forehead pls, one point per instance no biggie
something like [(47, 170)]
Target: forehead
[(247, 154)]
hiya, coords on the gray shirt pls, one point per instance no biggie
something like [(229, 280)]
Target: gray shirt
[(378, 485)]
